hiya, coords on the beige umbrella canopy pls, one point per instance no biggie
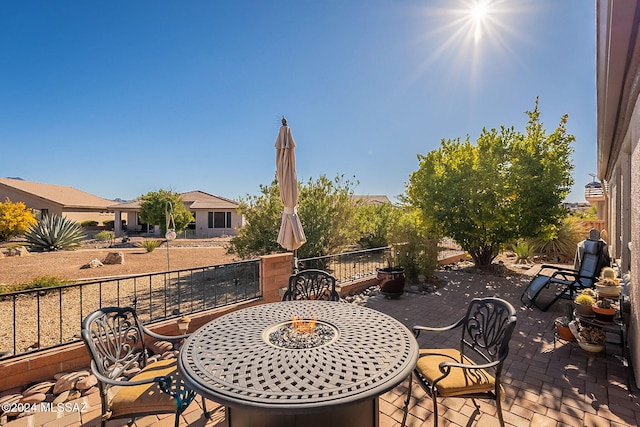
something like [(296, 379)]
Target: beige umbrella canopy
[(291, 234)]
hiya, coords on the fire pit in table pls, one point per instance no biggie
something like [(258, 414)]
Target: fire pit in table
[(257, 363)]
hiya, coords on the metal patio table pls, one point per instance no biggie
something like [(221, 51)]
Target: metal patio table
[(232, 361)]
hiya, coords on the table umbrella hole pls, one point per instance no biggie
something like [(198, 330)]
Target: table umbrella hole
[(298, 334)]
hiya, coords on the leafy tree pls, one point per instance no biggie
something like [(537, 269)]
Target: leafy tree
[(377, 223), (508, 186), (15, 218), (154, 206), (325, 209)]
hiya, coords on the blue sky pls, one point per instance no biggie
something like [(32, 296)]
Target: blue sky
[(120, 98)]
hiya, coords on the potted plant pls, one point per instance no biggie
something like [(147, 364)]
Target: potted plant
[(590, 338), (562, 324), (584, 302), (604, 310), (391, 279), (608, 284)]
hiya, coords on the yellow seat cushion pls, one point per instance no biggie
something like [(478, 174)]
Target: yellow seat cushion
[(146, 398), (459, 381)]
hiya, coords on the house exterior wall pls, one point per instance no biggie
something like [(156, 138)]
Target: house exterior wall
[(32, 202), (202, 224)]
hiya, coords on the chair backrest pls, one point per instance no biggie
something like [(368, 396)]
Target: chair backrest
[(487, 328), (311, 285), (591, 261), (114, 337)]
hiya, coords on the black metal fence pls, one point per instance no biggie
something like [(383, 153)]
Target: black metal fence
[(349, 266), (43, 318)]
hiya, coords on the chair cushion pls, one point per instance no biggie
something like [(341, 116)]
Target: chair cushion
[(459, 381), (146, 398)]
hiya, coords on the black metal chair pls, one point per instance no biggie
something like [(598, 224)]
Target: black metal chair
[(311, 285), (474, 370), (115, 338), (565, 280)]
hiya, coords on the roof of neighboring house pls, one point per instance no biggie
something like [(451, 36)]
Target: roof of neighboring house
[(192, 199), (66, 196), (371, 199)]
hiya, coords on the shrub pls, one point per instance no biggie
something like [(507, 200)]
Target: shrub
[(150, 245), (37, 283), (105, 236), (54, 233), (88, 223), (108, 223), (523, 251), (561, 241)]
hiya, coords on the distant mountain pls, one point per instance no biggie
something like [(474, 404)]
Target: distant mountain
[(119, 200), (14, 177)]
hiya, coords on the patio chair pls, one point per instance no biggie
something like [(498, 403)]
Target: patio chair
[(115, 338), (566, 281), (474, 369), (311, 285)]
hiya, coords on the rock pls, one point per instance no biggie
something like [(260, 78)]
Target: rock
[(43, 387), (62, 397), (19, 251), (33, 398), (160, 347), (131, 372), (94, 263), (59, 375), (87, 382), (114, 258), (68, 381), (73, 394), (91, 390)]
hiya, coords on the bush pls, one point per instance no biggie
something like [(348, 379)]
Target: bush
[(54, 233), (523, 251), (37, 283), (88, 223), (105, 236), (108, 223), (150, 245), (562, 241)]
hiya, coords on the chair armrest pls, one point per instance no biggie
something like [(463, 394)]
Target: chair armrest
[(164, 337), (417, 328), (445, 367)]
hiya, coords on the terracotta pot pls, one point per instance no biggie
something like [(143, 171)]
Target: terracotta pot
[(604, 314), (591, 348), (584, 310), (564, 333), (391, 281)]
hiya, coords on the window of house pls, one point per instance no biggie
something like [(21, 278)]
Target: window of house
[(219, 219)]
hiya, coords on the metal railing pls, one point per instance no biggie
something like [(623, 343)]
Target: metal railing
[(44, 318), (349, 266)]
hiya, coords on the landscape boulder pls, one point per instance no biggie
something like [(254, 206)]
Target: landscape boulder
[(114, 258), (94, 263)]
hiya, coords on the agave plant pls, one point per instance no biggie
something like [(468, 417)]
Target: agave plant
[(54, 233)]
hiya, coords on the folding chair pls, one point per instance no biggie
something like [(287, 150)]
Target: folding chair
[(565, 280)]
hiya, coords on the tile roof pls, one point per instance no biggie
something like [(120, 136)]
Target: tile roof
[(192, 199), (63, 195)]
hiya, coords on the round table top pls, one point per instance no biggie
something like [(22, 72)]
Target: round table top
[(230, 361)]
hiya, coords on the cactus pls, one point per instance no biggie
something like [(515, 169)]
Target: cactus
[(584, 299), (54, 233)]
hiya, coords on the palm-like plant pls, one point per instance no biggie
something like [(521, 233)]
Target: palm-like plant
[(54, 233)]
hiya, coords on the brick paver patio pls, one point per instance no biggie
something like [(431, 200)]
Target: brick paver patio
[(544, 387)]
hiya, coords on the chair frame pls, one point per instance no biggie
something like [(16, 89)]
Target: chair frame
[(486, 331), (569, 279), (115, 338), (311, 284)]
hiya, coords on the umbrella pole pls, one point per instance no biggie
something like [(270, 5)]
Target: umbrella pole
[(295, 261)]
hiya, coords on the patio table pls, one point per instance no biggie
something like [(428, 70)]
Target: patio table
[(233, 361)]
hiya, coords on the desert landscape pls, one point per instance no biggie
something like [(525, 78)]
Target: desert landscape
[(181, 254)]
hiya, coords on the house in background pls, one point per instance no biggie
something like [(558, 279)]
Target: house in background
[(618, 90), (214, 216), (50, 199), (371, 199)]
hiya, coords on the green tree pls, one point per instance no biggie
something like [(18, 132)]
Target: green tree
[(325, 209), (376, 223), (154, 206), (15, 218), (508, 186)]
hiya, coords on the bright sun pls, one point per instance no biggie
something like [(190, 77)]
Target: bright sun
[(478, 15), (478, 11)]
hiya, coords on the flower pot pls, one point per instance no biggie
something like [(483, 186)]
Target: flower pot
[(591, 348), (604, 315), (584, 310), (391, 281), (608, 291), (564, 333)]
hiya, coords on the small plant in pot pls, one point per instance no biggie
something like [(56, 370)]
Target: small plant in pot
[(562, 324), (584, 302), (391, 279), (590, 338), (608, 284), (604, 310)]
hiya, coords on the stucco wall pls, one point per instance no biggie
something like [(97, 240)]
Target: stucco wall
[(634, 217)]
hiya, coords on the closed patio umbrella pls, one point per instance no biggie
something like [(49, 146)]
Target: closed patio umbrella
[(291, 235)]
